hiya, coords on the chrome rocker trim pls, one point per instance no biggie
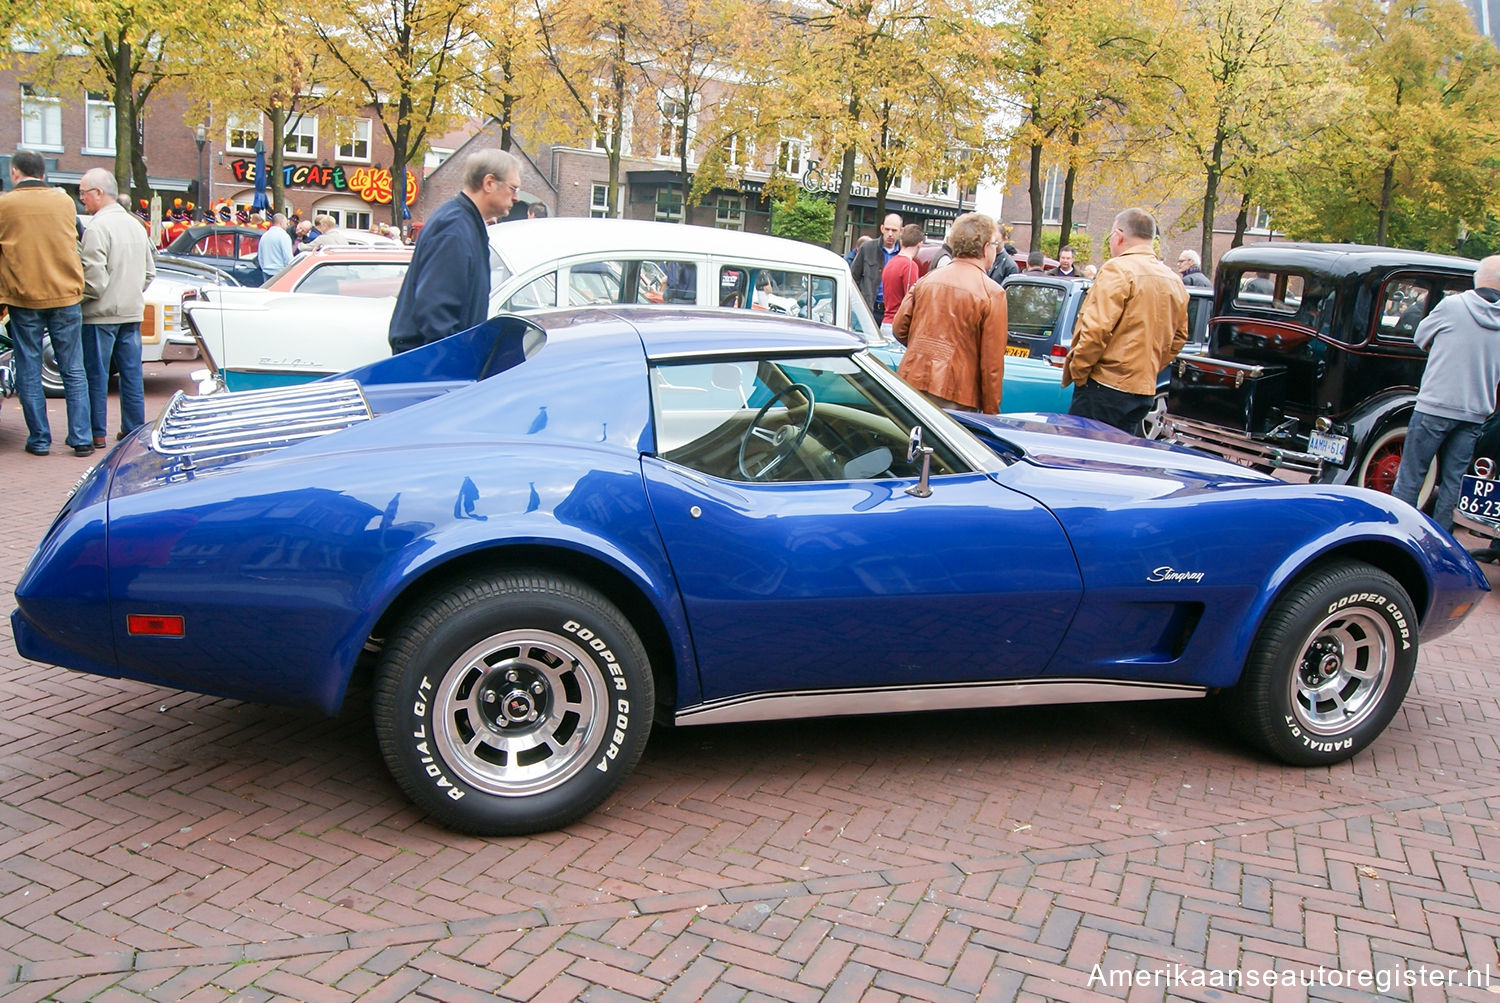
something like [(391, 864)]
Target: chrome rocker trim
[(943, 696)]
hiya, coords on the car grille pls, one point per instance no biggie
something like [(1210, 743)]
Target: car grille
[(224, 425)]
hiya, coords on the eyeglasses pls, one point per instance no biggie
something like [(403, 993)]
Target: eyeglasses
[(87, 191), (514, 189)]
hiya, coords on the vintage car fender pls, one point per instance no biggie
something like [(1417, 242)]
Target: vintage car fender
[(1201, 574), (329, 564), (1366, 426)]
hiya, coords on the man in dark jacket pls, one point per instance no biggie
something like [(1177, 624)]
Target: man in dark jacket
[(447, 286), (870, 261), (1189, 267)]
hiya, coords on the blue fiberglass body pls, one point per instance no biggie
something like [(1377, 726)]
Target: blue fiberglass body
[(1053, 559)]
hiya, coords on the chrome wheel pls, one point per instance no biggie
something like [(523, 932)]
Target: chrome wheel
[(1343, 672), (521, 712)]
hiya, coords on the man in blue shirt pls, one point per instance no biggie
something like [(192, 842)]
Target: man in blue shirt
[(275, 250), (447, 287)]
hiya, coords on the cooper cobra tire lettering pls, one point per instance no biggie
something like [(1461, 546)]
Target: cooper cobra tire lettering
[(507, 704), (1330, 665)]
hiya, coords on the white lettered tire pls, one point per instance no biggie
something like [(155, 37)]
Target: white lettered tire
[(513, 704), (1330, 665)]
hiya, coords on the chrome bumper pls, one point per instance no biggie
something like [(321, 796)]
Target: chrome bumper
[(1237, 447)]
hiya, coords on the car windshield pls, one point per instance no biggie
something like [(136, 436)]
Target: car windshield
[(792, 419)]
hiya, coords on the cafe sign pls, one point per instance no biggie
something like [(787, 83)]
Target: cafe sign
[(373, 184)]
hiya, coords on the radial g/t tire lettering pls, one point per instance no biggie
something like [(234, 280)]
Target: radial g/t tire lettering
[(1329, 667), (513, 703)]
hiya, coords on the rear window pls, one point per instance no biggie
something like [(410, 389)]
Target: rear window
[(1031, 313), (1281, 292), (368, 279)]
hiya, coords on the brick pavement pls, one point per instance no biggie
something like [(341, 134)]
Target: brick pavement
[(160, 845)]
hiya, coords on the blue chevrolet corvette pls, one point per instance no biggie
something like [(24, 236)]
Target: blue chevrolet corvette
[(548, 533)]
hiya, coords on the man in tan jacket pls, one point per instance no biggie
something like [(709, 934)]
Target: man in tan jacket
[(953, 323), (117, 268), (41, 281), (1133, 323)]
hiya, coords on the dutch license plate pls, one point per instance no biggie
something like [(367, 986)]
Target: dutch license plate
[(1020, 351), (1327, 447), (1479, 498)]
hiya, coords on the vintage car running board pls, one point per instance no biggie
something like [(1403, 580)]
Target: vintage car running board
[(949, 696), (235, 424)]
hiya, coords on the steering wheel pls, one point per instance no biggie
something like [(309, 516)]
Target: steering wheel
[(784, 441)]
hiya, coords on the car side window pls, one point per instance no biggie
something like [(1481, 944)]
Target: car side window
[(1403, 304), (674, 283), (785, 420), (538, 294), (592, 283), (248, 245)]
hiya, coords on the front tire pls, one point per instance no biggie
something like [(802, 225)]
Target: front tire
[(1330, 665), (513, 704)]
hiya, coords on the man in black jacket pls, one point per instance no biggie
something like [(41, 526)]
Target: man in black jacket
[(870, 261), (447, 286)]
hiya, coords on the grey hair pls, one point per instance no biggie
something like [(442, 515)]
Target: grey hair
[(483, 163)]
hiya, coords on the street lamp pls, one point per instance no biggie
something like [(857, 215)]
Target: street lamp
[(200, 136)]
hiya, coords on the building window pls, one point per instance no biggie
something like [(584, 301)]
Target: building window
[(599, 202), (730, 212), (356, 146), (668, 205), (791, 155), (300, 139), (41, 120), (1260, 220), (100, 126), (677, 126), (1052, 196), (901, 181), (604, 120), (243, 133), (349, 219), (739, 152), (435, 158)]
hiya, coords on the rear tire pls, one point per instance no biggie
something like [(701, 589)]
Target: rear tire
[(1377, 468), (1330, 666), (513, 704)]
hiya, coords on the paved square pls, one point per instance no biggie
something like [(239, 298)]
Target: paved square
[(161, 845)]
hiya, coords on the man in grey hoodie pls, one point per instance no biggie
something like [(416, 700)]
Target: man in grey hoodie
[(1462, 339)]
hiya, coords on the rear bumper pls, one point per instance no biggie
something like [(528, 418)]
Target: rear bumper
[(1237, 447)]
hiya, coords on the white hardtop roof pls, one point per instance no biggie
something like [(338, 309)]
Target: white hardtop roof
[(525, 243)]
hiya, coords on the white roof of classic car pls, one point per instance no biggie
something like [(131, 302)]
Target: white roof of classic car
[(527, 243)]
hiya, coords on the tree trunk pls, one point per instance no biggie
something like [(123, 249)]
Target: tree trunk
[(841, 206), (124, 121), (1241, 224), (682, 152), (1065, 229), (1387, 188), (275, 154), (1211, 200), (1036, 198)]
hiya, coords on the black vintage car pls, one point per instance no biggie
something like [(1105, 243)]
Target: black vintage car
[(1311, 369)]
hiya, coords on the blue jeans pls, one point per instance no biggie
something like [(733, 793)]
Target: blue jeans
[(64, 325), (122, 344), (1452, 442)]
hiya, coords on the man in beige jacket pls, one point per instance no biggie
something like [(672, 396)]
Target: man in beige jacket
[(1133, 323), (117, 268)]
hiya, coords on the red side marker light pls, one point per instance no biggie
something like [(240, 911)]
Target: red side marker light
[(150, 625)]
